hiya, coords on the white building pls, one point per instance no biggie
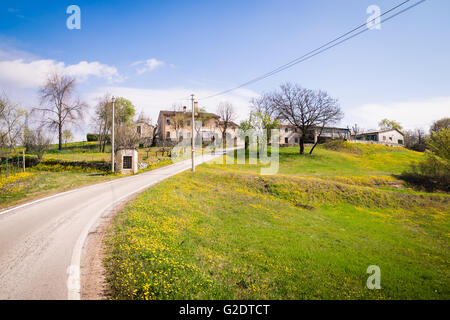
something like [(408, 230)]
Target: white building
[(390, 137)]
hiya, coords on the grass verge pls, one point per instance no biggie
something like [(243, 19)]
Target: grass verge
[(309, 232)]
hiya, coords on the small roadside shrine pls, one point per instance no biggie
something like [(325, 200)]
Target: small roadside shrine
[(127, 161)]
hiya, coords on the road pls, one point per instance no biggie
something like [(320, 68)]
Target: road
[(41, 242)]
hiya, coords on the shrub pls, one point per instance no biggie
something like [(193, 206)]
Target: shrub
[(56, 165), (341, 145), (434, 172), (92, 137)]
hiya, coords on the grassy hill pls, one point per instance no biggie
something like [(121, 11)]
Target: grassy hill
[(309, 232)]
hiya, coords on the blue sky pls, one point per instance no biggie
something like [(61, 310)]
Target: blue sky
[(155, 52)]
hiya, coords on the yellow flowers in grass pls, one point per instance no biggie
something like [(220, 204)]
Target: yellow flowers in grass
[(15, 183)]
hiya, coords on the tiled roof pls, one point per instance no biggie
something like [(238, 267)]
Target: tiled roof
[(172, 113)]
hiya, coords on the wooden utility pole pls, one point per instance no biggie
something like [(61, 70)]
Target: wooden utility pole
[(23, 160)]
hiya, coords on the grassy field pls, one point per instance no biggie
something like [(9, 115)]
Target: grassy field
[(48, 178), (33, 184), (89, 151), (309, 232)]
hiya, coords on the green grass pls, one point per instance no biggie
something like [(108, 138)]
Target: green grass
[(309, 232), (38, 184)]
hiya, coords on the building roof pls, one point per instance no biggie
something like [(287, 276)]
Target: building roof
[(292, 126), (172, 113), (230, 123)]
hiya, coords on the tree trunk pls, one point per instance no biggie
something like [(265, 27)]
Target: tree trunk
[(60, 136), (302, 145)]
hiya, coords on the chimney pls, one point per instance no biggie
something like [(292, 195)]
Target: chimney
[(184, 108)]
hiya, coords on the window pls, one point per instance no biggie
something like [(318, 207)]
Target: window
[(286, 130), (127, 161), (384, 138), (168, 122), (296, 140), (188, 135), (295, 130), (168, 135), (286, 140), (139, 129), (390, 138), (188, 123), (400, 141)]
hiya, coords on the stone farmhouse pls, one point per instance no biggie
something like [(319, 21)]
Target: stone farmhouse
[(145, 132), (175, 126)]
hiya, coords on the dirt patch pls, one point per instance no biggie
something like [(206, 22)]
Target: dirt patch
[(92, 269)]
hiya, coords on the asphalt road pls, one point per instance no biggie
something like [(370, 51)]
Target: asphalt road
[(41, 242)]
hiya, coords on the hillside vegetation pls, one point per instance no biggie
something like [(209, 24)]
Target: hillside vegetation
[(309, 232)]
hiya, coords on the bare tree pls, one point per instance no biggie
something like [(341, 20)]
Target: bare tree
[(416, 139), (439, 125), (144, 118), (178, 121), (127, 136), (2, 129), (225, 111), (265, 105), (263, 115), (12, 122), (355, 129), (305, 109), (36, 141), (60, 106)]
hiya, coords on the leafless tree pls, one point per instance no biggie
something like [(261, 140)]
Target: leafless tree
[(36, 141), (60, 107), (127, 136), (178, 120), (355, 129), (264, 105), (225, 111), (438, 125), (144, 118), (305, 109), (12, 122), (416, 139), (2, 129)]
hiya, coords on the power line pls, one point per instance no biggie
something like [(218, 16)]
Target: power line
[(323, 48)]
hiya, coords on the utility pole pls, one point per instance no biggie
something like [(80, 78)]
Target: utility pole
[(112, 135), (192, 134), (23, 160)]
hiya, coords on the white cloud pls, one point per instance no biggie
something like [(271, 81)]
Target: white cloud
[(148, 65), (414, 114), (151, 101), (32, 74)]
